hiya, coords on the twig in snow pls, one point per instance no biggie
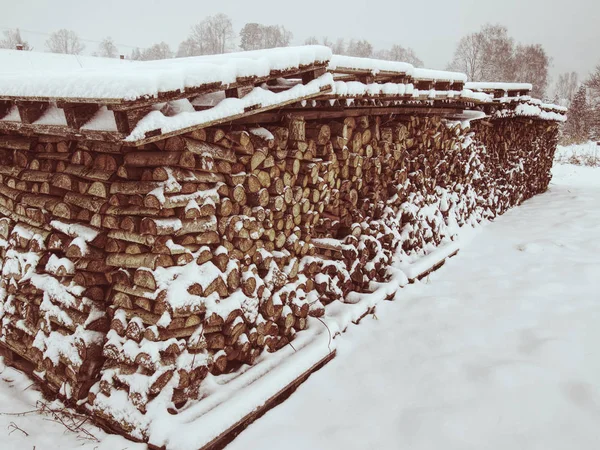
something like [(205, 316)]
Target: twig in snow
[(70, 420), (328, 331), (20, 414), (14, 427)]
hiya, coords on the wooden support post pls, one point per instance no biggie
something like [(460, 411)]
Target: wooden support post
[(77, 114), (238, 92), (5, 107), (31, 111), (424, 85), (233, 93), (442, 86), (313, 74), (458, 86), (128, 119)]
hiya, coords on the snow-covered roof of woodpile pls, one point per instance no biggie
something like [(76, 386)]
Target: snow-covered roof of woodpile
[(138, 102), (381, 68), (101, 82), (534, 109)]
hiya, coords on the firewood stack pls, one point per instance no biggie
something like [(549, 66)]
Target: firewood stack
[(53, 284), (147, 269)]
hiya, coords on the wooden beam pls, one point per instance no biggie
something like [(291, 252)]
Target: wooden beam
[(15, 142), (5, 107), (62, 131), (31, 111), (312, 114), (78, 114)]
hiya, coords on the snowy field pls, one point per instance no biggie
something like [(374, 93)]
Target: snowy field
[(587, 154), (496, 350)]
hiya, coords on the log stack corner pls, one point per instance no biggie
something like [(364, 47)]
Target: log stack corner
[(150, 241)]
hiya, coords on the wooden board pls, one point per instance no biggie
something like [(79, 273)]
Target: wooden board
[(231, 433)]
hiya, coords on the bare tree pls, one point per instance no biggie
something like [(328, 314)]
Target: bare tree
[(12, 38), (339, 48), (107, 49), (531, 65), (362, 48), (136, 54), (251, 36), (311, 40), (187, 48), (65, 41), (211, 36), (255, 36), (276, 36), (399, 53), (468, 57), (486, 55), (157, 51), (565, 88)]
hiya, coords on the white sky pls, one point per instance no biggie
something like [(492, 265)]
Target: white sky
[(569, 31)]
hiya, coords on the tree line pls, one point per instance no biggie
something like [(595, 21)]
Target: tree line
[(489, 54)]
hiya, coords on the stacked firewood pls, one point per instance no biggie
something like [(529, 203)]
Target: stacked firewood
[(149, 268), (209, 271), (53, 283)]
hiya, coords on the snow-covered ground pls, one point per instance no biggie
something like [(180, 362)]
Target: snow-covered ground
[(496, 350), (587, 154)]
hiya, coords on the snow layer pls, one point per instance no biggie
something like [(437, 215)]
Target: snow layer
[(376, 66), (60, 77), (587, 154), (538, 110), (227, 108), (484, 86)]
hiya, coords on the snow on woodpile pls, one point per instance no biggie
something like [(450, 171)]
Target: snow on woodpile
[(147, 79), (147, 282), (342, 64), (535, 109), (228, 108), (498, 86), (142, 282)]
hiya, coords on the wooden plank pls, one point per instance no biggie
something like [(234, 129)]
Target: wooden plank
[(64, 132), (434, 267), (15, 142), (312, 114), (148, 139), (230, 434), (243, 83), (30, 111)]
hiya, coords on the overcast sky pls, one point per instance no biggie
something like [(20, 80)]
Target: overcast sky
[(568, 30)]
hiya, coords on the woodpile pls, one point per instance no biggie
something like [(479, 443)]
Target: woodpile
[(141, 270)]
